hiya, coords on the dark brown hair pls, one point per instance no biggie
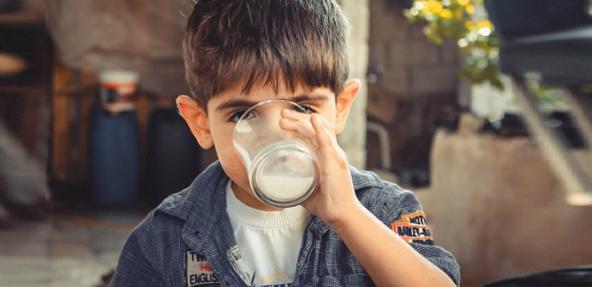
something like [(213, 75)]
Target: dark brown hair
[(300, 42)]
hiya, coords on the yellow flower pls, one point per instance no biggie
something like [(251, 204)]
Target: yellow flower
[(470, 25), (434, 7), (463, 2), (446, 14), (470, 9), (484, 24)]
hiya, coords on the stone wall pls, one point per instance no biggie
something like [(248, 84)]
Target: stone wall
[(498, 207), (410, 81), (408, 64)]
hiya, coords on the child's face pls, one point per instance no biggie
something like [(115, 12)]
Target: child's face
[(217, 126)]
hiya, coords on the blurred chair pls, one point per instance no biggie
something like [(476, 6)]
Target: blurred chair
[(385, 151)]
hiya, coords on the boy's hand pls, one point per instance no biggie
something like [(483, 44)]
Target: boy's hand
[(335, 197), (336, 203)]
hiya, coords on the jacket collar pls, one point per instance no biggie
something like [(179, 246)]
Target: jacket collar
[(203, 204)]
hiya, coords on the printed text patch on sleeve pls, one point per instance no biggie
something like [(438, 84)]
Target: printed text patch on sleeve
[(413, 228)]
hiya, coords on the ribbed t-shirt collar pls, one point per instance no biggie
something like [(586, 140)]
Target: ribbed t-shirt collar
[(247, 215)]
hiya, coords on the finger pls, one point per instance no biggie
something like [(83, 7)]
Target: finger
[(330, 130), (328, 147), (302, 128), (325, 148), (323, 134), (302, 124), (327, 124), (294, 115)]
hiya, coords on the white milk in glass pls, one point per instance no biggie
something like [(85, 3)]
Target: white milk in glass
[(284, 188)]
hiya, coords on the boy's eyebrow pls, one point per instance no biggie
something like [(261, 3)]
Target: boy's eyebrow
[(312, 97), (243, 103), (234, 104)]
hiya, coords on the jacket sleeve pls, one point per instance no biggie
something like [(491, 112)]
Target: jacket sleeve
[(404, 215), (134, 268)]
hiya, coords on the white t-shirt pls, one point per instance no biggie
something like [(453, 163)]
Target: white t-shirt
[(269, 241)]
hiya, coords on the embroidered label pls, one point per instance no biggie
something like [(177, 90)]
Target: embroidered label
[(198, 271), (413, 228)]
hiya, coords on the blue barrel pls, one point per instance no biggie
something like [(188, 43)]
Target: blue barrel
[(114, 158)]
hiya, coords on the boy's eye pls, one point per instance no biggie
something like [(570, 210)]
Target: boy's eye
[(236, 116), (307, 109)]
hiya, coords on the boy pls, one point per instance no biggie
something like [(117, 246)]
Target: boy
[(355, 230)]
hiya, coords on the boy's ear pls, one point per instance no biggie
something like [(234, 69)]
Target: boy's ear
[(196, 119), (345, 99)]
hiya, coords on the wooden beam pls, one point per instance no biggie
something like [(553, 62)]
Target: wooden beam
[(60, 123)]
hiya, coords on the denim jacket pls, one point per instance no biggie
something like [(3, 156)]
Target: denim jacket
[(188, 239)]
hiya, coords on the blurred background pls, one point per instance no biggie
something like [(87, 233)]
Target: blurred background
[(482, 108)]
